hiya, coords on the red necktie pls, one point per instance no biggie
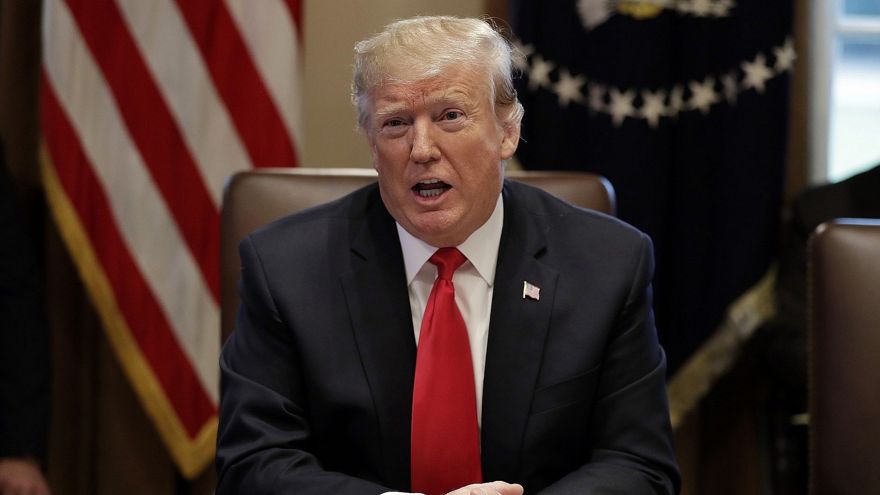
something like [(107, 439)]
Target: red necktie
[(445, 450)]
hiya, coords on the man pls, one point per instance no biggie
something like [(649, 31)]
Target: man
[(336, 379)]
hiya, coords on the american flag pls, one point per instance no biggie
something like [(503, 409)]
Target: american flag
[(531, 291), (147, 108)]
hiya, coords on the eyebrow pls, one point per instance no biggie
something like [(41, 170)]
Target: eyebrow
[(453, 95), (397, 104), (390, 109)]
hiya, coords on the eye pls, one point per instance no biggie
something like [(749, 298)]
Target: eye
[(452, 115), (393, 122), (394, 127)]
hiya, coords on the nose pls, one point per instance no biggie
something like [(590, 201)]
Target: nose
[(423, 148)]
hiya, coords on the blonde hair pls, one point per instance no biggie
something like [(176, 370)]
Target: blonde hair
[(423, 47)]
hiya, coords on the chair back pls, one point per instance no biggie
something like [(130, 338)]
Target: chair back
[(256, 197), (844, 350)]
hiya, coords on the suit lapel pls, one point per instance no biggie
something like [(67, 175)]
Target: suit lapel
[(378, 302), (517, 331)]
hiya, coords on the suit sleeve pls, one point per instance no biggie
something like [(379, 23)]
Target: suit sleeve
[(264, 444), (632, 450)]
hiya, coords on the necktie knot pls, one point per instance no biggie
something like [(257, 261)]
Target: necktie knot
[(447, 260)]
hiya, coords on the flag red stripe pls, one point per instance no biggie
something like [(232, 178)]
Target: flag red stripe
[(154, 131), (146, 320), (239, 83)]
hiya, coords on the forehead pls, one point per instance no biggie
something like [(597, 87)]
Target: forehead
[(458, 85)]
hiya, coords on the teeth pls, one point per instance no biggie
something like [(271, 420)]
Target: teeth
[(428, 193), (429, 181)]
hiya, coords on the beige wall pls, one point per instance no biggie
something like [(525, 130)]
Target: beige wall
[(331, 29)]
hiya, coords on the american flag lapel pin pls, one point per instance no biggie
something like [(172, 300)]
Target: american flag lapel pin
[(531, 291)]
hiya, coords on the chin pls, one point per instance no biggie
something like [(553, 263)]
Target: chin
[(437, 236)]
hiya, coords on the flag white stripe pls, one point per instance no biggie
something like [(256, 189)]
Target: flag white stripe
[(142, 217), (181, 73), (269, 31)]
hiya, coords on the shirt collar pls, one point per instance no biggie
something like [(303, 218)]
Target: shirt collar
[(481, 248)]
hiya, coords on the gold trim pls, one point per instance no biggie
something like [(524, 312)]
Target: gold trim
[(192, 456), (719, 353), (640, 9)]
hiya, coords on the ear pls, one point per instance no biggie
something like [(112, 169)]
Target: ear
[(509, 140)]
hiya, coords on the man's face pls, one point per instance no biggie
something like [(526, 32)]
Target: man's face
[(438, 148)]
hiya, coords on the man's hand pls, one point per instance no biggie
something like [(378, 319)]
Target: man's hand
[(21, 477), (493, 488)]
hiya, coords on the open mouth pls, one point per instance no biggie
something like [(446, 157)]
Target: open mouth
[(430, 188)]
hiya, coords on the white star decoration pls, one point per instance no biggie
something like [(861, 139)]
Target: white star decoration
[(569, 88), (621, 104), (652, 106), (785, 56), (757, 73), (731, 88), (676, 101), (526, 51), (540, 74), (702, 8), (722, 8), (703, 94), (594, 12)]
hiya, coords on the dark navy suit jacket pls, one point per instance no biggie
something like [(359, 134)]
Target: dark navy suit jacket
[(317, 378)]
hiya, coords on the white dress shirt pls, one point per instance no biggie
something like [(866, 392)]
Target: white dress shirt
[(474, 282)]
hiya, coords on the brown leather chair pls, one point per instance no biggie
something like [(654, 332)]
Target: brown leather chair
[(256, 197), (844, 350)]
